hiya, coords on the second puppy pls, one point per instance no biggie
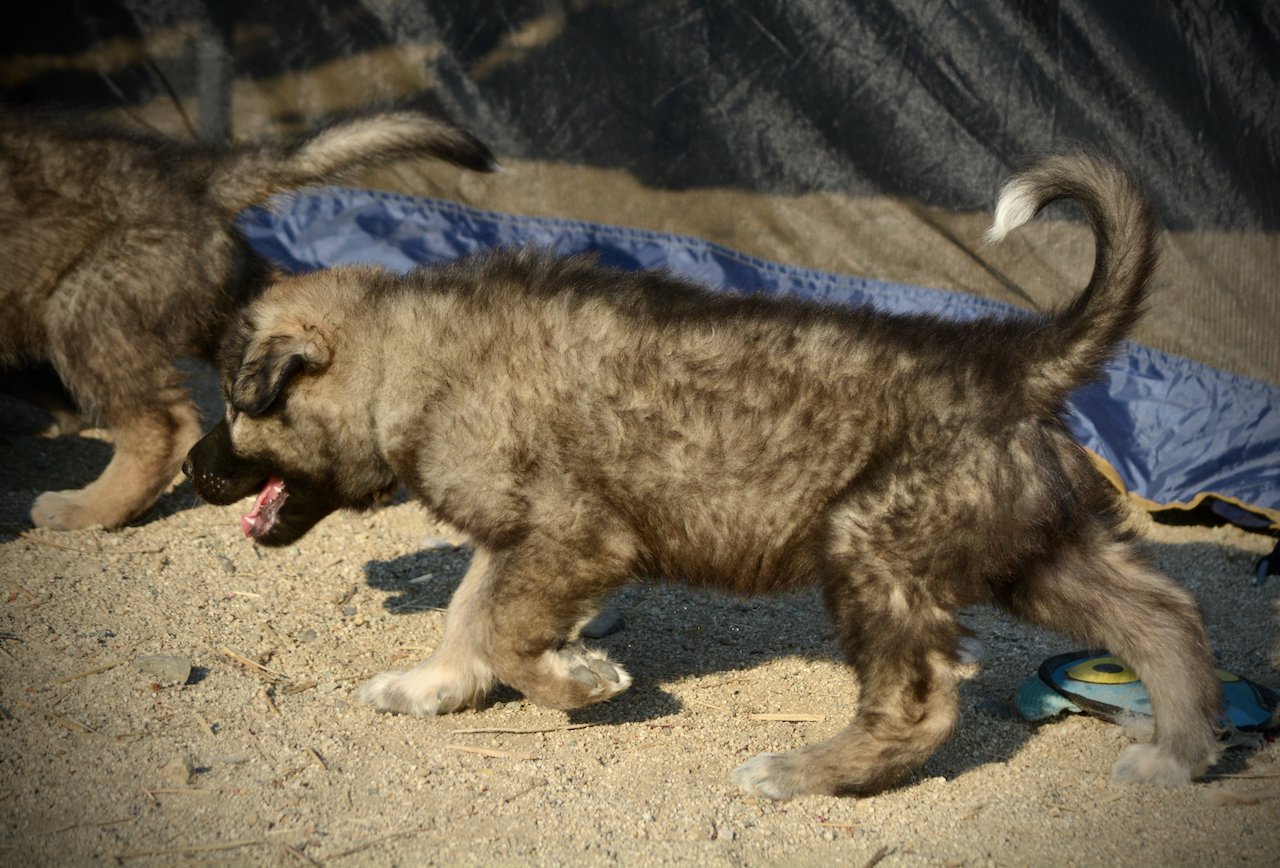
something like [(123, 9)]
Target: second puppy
[(119, 253)]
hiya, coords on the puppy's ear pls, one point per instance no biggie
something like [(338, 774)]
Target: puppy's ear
[(271, 360)]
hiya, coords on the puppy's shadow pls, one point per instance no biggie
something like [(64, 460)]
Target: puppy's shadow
[(668, 633), (706, 632), (178, 499), (32, 462), (35, 459), (420, 581)]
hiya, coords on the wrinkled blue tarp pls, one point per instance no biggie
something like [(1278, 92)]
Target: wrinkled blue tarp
[(1175, 430)]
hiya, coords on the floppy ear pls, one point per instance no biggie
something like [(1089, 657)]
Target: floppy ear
[(271, 359)]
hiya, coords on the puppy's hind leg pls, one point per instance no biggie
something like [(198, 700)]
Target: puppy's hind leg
[(904, 647), (1105, 596)]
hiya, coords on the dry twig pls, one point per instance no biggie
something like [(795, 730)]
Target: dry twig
[(487, 730), (62, 720), (194, 848), (110, 664), (367, 844), (879, 856), (295, 853), (262, 750), (343, 598), (269, 674), (10, 583), (529, 789), (317, 755), (490, 752), (96, 825), (1236, 797), (96, 550), (1245, 776)]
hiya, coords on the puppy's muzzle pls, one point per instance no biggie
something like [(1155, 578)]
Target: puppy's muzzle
[(217, 473)]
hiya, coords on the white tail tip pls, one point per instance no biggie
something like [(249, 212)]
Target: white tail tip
[(1017, 205)]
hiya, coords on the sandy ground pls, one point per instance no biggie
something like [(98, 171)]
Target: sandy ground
[(261, 757)]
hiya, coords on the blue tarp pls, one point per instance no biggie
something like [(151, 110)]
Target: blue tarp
[(1174, 430)]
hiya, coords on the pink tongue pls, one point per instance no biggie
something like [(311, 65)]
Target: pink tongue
[(269, 492)]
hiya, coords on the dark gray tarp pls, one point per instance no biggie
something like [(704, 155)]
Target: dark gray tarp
[(932, 100)]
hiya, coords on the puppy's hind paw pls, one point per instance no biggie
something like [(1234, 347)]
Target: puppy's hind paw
[(764, 774), (1148, 764)]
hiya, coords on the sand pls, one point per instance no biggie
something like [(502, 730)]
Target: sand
[(261, 757)]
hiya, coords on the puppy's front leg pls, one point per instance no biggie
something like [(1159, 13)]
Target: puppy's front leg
[(544, 587), (457, 674)]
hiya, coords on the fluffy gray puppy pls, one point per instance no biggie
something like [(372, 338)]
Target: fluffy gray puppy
[(586, 427)]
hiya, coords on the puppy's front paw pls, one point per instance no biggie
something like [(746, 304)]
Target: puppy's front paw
[(594, 670), (765, 774), (421, 691), (574, 676)]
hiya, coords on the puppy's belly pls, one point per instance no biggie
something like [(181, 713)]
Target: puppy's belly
[(734, 560)]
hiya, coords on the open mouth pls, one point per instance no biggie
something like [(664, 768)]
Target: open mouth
[(257, 521)]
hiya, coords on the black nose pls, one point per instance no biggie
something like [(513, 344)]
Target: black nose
[(186, 468)]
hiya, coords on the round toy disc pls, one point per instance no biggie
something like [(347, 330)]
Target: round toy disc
[(1103, 684)]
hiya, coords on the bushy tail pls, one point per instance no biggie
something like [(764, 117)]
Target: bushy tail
[(248, 176), (1071, 347)]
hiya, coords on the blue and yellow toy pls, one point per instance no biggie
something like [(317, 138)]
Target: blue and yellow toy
[(1101, 684)]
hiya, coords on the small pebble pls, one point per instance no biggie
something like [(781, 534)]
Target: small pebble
[(609, 621), (178, 771), (307, 635), (164, 669), (231, 759)]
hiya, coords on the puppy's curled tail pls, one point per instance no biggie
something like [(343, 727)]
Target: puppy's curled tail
[(1070, 348), (249, 175)]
